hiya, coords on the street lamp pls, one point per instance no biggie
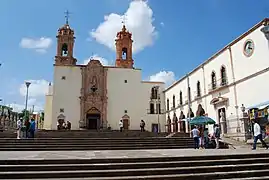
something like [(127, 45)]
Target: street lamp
[(26, 99)]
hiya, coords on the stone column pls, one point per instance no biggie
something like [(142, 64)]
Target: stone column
[(178, 130)]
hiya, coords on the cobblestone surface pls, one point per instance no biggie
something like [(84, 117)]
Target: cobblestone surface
[(5, 155)]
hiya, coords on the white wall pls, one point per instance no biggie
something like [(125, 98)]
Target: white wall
[(66, 94), (48, 112), (245, 66), (133, 96)]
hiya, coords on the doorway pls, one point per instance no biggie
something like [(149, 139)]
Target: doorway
[(93, 121), (154, 128)]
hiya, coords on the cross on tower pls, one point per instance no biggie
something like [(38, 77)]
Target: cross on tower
[(67, 15), (124, 19)]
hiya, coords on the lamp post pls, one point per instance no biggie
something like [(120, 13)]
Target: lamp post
[(26, 99)]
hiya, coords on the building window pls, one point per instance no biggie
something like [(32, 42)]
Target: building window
[(180, 98), (174, 101), (125, 81), (64, 50), (167, 104), (158, 108), (152, 111), (223, 76), (63, 78), (154, 93), (213, 80), (189, 94), (125, 111), (62, 110), (198, 89)]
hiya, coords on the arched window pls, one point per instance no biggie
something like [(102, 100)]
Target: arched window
[(152, 110), (154, 93), (174, 101), (198, 89), (180, 98), (124, 53), (167, 104), (223, 76), (189, 93), (64, 50), (213, 80)]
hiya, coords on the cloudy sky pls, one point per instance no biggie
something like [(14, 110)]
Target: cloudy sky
[(170, 37)]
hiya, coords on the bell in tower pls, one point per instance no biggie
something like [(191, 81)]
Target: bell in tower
[(65, 44), (124, 49)]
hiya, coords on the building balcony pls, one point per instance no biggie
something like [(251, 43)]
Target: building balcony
[(217, 85), (155, 111)]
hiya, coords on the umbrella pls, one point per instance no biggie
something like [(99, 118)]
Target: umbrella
[(202, 120)]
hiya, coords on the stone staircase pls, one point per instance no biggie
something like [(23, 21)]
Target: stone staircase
[(239, 166), (88, 140)]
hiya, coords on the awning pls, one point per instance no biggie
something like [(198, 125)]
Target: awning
[(259, 106)]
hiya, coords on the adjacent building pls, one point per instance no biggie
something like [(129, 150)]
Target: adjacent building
[(231, 81)]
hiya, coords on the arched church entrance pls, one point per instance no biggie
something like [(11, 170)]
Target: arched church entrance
[(126, 121), (60, 122), (93, 118)]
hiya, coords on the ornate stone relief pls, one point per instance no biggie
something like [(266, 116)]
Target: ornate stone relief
[(93, 91)]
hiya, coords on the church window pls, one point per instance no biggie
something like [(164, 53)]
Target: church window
[(125, 111), (167, 104), (180, 98), (154, 93), (158, 108), (213, 80), (63, 77), (62, 110), (223, 76), (174, 101), (152, 111), (64, 50), (125, 81), (198, 89), (124, 53)]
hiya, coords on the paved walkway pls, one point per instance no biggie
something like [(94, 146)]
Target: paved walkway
[(6, 155)]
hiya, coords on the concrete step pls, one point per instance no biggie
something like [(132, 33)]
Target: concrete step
[(133, 165), (202, 176), (219, 172)]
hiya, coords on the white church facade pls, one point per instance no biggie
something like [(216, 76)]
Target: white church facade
[(229, 83), (94, 96)]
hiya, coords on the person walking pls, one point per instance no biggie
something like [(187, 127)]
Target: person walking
[(32, 128), (142, 126), (217, 135), (19, 126), (121, 125), (258, 136), (195, 135)]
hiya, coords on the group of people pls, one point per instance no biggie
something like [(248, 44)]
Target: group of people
[(202, 138), (27, 130), (142, 125), (66, 126)]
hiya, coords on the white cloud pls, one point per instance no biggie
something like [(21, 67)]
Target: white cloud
[(162, 23), (19, 107), (103, 61), (168, 77), (38, 88), (139, 21), (39, 45)]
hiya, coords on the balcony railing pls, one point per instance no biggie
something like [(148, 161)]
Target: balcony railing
[(155, 111), (217, 84)]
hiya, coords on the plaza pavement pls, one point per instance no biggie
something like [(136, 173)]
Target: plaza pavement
[(27, 155)]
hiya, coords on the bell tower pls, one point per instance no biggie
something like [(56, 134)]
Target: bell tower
[(124, 49), (65, 45)]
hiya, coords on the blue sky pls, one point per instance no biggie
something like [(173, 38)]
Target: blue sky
[(173, 36)]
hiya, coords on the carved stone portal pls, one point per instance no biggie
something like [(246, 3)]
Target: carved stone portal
[(94, 91)]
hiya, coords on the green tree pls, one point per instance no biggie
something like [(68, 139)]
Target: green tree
[(22, 114)]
